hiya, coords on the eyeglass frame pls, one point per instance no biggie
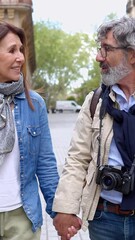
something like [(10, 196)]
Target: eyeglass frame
[(110, 48)]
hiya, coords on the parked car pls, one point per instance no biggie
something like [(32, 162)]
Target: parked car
[(67, 105)]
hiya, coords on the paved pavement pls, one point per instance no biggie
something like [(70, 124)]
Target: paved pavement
[(61, 126)]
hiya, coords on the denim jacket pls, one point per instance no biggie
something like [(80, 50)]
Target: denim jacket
[(38, 166)]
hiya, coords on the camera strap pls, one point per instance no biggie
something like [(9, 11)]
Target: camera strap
[(131, 174), (132, 167)]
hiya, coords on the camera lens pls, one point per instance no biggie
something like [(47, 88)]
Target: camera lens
[(110, 181)]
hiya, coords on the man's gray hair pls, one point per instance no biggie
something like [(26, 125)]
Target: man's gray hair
[(123, 31)]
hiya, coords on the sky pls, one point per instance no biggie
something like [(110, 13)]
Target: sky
[(77, 15)]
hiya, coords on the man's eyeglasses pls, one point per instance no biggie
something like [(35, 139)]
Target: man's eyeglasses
[(108, 48)]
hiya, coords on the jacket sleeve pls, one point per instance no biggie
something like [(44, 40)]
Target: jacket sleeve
[(72, 180), (47, 172)]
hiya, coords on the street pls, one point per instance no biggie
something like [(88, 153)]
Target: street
[(61, 127)]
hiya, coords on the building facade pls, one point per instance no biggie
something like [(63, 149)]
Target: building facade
[(130, 8)]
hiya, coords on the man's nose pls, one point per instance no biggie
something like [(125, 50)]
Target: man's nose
[(99, 57)]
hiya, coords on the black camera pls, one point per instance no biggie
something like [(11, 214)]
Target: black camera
[(115, 178)]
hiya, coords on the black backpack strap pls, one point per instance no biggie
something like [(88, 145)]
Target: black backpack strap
[(94, 100)]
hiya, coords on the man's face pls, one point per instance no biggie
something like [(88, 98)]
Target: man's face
[(113, 61)]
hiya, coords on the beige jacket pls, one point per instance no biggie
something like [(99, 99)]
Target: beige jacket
[(77, 188)]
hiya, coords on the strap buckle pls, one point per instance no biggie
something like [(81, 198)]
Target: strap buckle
[(132, 213)]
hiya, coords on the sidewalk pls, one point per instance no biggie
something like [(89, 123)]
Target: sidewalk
[(61, 126)]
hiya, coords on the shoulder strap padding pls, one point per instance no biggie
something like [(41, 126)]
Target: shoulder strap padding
[(94, 100)]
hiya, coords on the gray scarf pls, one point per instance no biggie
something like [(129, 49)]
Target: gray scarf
[(7, 128)]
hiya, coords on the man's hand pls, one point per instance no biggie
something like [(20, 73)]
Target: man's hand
[(67, 225)]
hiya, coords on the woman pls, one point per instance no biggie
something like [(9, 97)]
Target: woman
[(26, 155)]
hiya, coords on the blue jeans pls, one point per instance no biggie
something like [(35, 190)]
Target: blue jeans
[(110, 226)]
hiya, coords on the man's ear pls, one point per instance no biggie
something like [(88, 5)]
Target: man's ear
[(132, 56)]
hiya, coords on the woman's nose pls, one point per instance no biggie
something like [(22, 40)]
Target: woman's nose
[(20, 56)]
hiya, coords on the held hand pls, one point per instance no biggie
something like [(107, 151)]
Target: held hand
[(67, 225), (71, 232)]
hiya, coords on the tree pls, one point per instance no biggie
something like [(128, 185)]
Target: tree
[(60, 58), (64, 59), (94, 77)]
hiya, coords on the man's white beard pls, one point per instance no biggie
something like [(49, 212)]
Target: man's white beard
[(115, 74)]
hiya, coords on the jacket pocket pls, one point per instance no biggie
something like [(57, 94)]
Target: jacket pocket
[(89, 188), (95, 134), (34, 139), (86, 189)]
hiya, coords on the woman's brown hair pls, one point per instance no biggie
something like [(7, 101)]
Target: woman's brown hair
[(5, 28)]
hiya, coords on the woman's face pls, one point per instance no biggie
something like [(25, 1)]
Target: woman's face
[(11, 58)]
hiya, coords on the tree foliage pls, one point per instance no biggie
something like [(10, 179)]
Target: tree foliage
[(64, 60), (60, 59)]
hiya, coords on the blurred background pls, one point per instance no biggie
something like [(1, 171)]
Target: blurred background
[(61, 38)]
